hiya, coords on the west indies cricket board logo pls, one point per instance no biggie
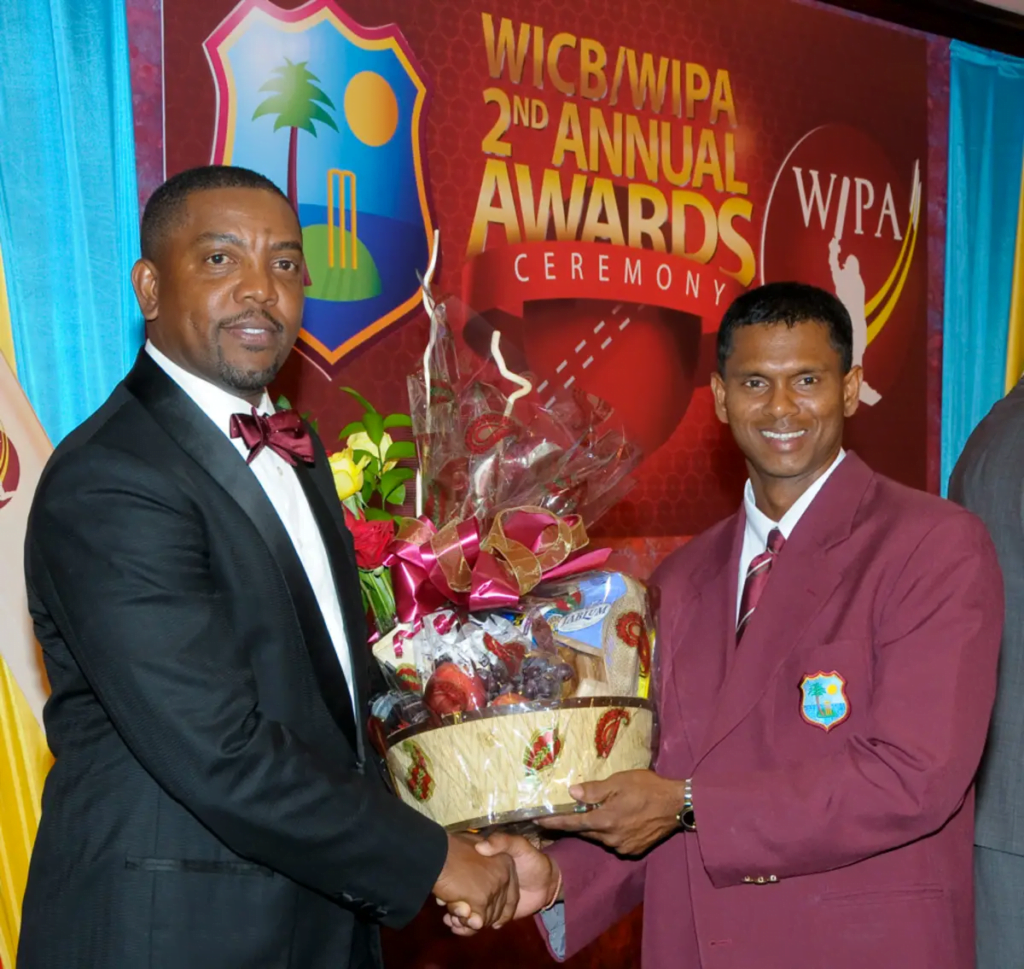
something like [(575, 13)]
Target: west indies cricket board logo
[(333, 113), (10, 470)]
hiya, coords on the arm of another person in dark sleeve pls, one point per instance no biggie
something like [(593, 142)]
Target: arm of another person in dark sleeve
[(907, 769), (123, 564)]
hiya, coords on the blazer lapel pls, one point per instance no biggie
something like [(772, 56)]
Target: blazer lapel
[(695, 646), (802, 580), (197, 436)]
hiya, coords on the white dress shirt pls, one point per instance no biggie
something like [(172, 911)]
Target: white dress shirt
[(278, 480), (755, 535)]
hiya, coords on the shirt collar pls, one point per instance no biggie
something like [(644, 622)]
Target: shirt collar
[(760, 524), (214, 402)]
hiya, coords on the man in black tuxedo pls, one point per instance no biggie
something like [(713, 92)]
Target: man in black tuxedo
[(214, 803)]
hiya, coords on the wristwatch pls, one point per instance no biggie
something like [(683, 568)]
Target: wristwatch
[(685, 817)]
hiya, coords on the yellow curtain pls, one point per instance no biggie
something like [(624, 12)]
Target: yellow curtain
[(1015, 338), (6, 334), (24, 761)]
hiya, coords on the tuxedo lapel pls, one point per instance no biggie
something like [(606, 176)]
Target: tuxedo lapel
[(803, 578), (340, 553), (211, 450)]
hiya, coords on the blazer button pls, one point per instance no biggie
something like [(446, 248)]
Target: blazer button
[(747, 878), (760, 879), (773, 878)]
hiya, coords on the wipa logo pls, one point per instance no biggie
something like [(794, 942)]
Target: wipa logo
[(334, 114), (840, 216)]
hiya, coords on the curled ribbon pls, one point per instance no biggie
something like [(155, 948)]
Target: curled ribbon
[(432, 568)]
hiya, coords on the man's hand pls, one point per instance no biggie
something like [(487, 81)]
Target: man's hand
[(478, 889), (537, 874), (630, 811)]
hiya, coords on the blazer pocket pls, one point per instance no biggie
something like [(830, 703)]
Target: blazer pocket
[(886, 896), (197, 866)]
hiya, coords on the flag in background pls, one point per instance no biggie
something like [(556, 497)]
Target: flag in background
[(24, 756)]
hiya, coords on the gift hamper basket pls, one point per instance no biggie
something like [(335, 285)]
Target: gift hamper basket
[(520, 664)]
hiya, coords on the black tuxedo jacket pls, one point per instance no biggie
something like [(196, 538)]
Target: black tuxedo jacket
[(212, 804)]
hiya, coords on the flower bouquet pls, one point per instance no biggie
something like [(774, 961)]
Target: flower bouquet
[(519, 665), (372, 489)]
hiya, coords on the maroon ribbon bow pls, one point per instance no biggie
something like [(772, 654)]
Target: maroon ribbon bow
[(284, 433)]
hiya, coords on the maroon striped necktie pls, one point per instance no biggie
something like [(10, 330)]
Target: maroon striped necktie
[(757, 578)]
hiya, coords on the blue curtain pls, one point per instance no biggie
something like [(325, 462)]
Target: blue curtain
[(986, 150), (68, 204)]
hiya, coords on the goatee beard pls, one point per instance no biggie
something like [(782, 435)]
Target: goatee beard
[(246, 381)]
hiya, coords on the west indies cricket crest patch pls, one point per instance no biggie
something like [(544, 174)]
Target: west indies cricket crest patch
[(823, 699)]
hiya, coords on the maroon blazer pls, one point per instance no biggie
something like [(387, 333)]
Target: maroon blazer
[(848, 847)]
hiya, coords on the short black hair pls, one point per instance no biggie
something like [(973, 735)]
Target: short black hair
[(789, 303), (165, 205)]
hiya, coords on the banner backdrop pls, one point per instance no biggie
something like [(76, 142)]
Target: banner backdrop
[(604, 178)]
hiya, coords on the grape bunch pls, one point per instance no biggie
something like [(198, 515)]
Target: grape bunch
[(542, 676)]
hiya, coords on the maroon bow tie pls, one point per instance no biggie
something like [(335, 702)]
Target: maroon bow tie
[(284, 433)]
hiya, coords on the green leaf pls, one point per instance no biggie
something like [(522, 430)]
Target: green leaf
[(372, 470), (315, 425), (400, 450), (367, 491), (397, 497), (376, 515), (398, 420), (356, 427), (283, 403), (390, 480), (374, 426), (367, 406)]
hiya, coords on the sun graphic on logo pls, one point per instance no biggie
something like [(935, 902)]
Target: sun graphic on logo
[(832, 689), (371, 108), (9, 468)]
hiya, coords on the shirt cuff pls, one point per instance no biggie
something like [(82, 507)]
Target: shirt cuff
[(554, 924)]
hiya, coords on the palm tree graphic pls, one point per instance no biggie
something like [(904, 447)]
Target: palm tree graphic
[(816, 691), (297, 102)]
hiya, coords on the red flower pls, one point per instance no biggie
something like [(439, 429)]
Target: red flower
[(371, 539)]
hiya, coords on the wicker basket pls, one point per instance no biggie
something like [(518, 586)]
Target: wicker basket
[(515, 763)]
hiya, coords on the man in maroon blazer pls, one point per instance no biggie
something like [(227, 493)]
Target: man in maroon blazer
[(827, 672)]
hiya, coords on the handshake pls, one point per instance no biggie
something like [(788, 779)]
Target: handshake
[(491, 882)]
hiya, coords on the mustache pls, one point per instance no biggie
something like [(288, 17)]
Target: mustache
[(252, 316)]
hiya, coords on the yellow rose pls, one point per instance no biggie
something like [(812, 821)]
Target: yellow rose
[(348, 474), (362, 442)]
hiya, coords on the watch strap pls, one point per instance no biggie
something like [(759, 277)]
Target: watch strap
[(685, 817)]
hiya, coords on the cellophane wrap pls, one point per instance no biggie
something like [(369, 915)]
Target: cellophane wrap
[(556, 448), (516, 671)]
